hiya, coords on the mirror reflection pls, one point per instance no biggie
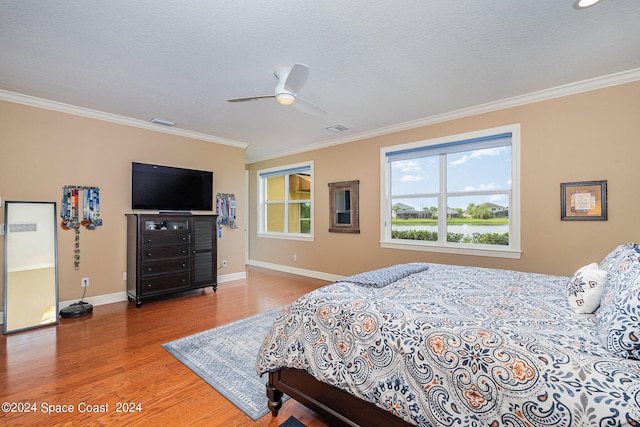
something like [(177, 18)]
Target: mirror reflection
[(30, 266), (343, 207)]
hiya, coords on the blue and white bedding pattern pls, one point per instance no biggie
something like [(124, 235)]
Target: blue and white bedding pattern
[(459, 346)]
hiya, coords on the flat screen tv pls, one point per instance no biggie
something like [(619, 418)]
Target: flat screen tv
[(166, 188)]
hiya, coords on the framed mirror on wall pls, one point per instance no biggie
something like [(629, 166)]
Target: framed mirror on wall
[(30, 266), (344, 207)]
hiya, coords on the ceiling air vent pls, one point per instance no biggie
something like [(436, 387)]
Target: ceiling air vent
[(337, 128), (162, 122)]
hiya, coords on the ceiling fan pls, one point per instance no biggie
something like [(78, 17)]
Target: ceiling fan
[(290, 81)]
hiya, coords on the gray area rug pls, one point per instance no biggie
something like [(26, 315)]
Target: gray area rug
[(225, 357)]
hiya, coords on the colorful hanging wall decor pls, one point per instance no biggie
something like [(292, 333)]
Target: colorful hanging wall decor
[(70, 213), (226, 211)]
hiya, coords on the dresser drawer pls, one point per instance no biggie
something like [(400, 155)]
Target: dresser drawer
[(150, 253), (164, 283), (165, 237), (169, 266)]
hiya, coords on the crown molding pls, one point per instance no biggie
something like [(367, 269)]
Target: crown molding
[(113, 118), (543, 95), (516, 101)]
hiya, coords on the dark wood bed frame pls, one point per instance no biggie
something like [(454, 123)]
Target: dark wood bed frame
[(337, 406)]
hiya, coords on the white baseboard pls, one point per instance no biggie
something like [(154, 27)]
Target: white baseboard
[(122, 296), (231, 277), (98, 299), (299, 271)]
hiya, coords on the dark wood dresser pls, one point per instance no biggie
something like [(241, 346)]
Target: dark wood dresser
[(170, 253)]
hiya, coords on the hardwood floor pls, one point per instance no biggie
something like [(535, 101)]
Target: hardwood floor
[(114, 357)]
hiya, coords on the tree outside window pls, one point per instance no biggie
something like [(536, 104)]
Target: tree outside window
[(456, 194)]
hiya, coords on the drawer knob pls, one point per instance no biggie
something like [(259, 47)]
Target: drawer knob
[(149, 254), (148, 268)]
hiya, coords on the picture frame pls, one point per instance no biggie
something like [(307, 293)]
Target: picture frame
[(583, 201)]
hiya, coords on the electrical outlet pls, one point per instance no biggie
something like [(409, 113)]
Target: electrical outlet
[(85, 282), (295, 257), (124, 276), (224, 263)]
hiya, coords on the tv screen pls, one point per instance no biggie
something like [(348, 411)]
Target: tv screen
[(170, 189)]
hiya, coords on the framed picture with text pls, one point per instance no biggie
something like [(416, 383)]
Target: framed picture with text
[(583, 201)]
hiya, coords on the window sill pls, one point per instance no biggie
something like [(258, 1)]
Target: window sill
[(486, 252), (282, 236)]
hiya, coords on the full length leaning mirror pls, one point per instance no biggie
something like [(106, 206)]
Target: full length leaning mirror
[(30, 266)]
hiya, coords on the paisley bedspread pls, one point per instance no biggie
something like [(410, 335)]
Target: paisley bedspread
[(459, 346)]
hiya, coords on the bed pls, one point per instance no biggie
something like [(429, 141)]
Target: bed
[(441, 345)]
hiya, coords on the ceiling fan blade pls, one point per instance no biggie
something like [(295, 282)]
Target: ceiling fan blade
[(308, 107), (297, 78), (251, 98)]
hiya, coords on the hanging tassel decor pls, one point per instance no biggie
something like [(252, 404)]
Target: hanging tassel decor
[(70, 213), (226, 210)]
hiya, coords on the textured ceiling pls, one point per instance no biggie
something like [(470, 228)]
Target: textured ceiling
[(374, 64)]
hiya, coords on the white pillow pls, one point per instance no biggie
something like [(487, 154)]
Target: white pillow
[(585, 288)]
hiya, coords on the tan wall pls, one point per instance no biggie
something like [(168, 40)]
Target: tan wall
[(583, 137), (43, 150)]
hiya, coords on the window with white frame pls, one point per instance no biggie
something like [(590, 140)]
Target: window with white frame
[(286, 201), (458, 194)]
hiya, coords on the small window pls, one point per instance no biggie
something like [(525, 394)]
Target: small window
[(286, 201), (457, 194)]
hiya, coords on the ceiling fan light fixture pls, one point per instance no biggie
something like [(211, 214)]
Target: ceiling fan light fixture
[(583, 4), (285, 98)]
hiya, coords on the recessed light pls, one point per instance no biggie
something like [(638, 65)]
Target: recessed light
[(583, 4), (162, 122)]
